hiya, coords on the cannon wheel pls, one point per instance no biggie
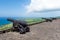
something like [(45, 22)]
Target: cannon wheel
[(50, 20), (27, 29), (21, 29)]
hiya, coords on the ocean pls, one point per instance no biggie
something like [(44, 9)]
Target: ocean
[(3, 21)]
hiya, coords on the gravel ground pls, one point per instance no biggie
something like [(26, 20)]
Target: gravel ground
[(42, 31)]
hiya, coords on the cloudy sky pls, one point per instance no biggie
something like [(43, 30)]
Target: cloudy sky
[(29, 8)]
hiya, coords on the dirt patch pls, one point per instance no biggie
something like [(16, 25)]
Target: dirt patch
[(42, 31)]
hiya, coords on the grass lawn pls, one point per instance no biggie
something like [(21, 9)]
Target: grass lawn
[(34, 20), (4, 27)]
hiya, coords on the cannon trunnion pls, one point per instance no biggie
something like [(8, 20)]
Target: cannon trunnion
[(20, 26)]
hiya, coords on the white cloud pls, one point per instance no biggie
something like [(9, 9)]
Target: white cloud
[(39, 5)]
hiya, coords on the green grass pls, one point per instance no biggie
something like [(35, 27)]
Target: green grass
[(4, 27), (34, 20), (28, 20)]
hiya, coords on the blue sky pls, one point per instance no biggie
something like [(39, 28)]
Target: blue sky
[(29, 8), (13, 8)]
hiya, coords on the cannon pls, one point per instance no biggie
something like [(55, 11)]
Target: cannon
[(19, 25), (54, 18), (47, 20)]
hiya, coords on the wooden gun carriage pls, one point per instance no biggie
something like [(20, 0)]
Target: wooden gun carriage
[(19, 25)]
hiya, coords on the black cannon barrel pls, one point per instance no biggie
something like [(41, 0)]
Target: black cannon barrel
[(24, 23), (11, 20), (47, 18)]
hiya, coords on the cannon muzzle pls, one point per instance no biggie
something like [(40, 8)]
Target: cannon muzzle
[(10, 19)]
